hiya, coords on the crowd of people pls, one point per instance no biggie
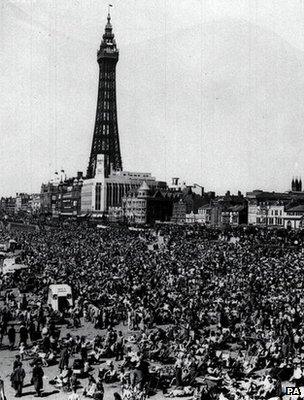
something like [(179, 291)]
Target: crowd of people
[(205, 313)]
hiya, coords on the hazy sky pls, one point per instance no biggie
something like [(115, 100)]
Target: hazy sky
[(211, 91)]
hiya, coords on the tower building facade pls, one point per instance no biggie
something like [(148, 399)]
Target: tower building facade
[(106, 137)]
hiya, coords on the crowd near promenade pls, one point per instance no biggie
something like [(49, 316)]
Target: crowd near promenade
[(172, 311)]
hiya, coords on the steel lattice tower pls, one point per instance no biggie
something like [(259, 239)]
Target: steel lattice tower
[(106, 138)]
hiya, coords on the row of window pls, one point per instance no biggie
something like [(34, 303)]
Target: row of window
[(270, 221), (276, 212)]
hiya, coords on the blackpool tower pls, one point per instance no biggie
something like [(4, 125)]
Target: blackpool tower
[(105, 137)]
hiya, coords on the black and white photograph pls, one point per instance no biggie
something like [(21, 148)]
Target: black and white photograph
[(151, 199)]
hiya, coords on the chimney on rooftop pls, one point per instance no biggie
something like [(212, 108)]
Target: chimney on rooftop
[(175, 181)]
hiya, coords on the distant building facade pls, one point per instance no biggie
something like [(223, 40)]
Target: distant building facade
[(35, 203), (294, 217), (69, 197), (267, 208), (22, 202), (228, 210), (179, 211), (146, 205), (61, 197), (135, 205), (195, 218), (205, 214), (8, 204), (27, 202)]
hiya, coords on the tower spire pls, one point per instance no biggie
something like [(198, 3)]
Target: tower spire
[(109, 25), (109, 15)]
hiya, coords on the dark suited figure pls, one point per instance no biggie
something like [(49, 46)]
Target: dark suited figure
[(11, 333), (17, 379), (37, 378)]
